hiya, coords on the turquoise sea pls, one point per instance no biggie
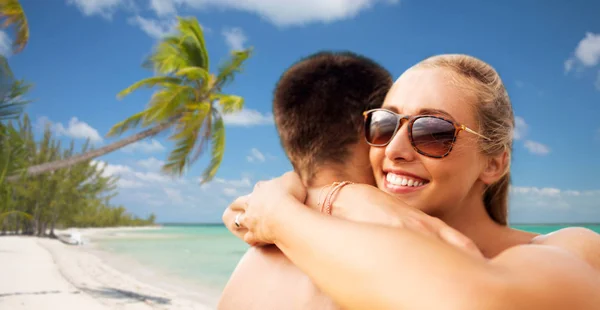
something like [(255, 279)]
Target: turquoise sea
[(202, 254)]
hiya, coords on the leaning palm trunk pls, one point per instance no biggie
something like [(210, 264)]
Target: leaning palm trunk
[(47, 167)]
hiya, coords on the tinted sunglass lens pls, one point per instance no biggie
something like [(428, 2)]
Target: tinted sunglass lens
[(380, 127), (433, 136)]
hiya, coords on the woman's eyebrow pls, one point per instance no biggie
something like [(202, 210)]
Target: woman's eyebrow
[(435, 111)]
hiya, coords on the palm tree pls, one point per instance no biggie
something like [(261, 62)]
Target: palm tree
[(11, 93), (188, 100), (12, 13), (11, 107)]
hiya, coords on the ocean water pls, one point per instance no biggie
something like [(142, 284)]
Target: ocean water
[(203, 254)]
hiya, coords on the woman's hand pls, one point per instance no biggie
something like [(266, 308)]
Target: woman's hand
[(229, 216), (257, 212)]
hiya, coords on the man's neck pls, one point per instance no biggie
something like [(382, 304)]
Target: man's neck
[(331, 174)]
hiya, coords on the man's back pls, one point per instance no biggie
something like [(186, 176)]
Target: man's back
[(266, 279)]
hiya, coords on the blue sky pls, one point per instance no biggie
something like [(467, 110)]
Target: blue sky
[(83, 52)]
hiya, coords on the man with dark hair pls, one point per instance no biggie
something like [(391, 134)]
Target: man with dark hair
[(318, 104)]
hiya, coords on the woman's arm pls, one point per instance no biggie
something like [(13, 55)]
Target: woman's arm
[(365, 203), (365, 266)]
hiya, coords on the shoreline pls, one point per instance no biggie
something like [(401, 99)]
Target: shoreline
[(53, 275)]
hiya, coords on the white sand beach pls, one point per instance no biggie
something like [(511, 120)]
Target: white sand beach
[(40, 273)]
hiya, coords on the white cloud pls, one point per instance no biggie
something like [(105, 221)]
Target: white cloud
[(151, 163), (122, 183), (588, 50), (537, 148), (179, 199), (569, 63), (128, 175), (545, 191), (243, 182), (153, 27), (586, 54), (247, 118), (255, 156), (553, 205), (76, 129), (152, 177), (232, 192), (163, 7), (521, 131), (235, 38), (115, 170), (144, 146), (291, 12), (520, 128), (174, 194), (5, 44), (104, 8)]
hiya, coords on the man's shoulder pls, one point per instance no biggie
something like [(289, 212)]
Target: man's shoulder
[(265, 279)]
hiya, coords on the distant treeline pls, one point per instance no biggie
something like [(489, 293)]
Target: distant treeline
[(78, 196)]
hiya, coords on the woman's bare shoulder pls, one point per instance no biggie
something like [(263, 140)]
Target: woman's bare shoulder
[(580, 241)]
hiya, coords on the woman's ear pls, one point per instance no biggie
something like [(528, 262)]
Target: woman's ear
[(495, 168)]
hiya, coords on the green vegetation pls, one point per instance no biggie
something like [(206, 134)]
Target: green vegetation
[(44, 186), (78, 196)]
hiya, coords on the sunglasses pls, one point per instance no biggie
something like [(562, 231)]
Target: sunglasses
[(432, 136)]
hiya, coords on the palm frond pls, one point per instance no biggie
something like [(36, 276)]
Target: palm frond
[(5, 71), (167, 103), (130, 123), (191, 121), (191, 29), (194, 73), (12, 13), (167, 56), (218, 150), (149, 83), (229, 103), (11, 100), (232, 66), (187, 135)]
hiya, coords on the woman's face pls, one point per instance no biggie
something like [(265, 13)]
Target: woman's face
[(437, 183)]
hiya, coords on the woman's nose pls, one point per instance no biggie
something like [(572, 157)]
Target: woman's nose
[(400, 147)]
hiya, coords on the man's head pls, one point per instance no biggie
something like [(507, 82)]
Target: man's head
[(318, 105)]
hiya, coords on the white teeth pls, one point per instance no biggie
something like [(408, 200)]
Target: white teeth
[(402, 181)]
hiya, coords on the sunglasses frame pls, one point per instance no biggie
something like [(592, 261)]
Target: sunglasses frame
[(411, 119)]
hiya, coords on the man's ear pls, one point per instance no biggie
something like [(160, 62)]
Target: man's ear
[(495, 168)]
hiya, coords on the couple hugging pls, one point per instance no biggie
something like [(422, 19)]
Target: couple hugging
[(399, 198)]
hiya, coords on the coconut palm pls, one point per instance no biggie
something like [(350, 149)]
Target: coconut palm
[(188, 101)]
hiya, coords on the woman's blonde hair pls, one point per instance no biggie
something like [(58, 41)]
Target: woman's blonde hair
[(495, 118)]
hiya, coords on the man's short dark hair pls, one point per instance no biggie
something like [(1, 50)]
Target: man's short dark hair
[(318, 104)]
